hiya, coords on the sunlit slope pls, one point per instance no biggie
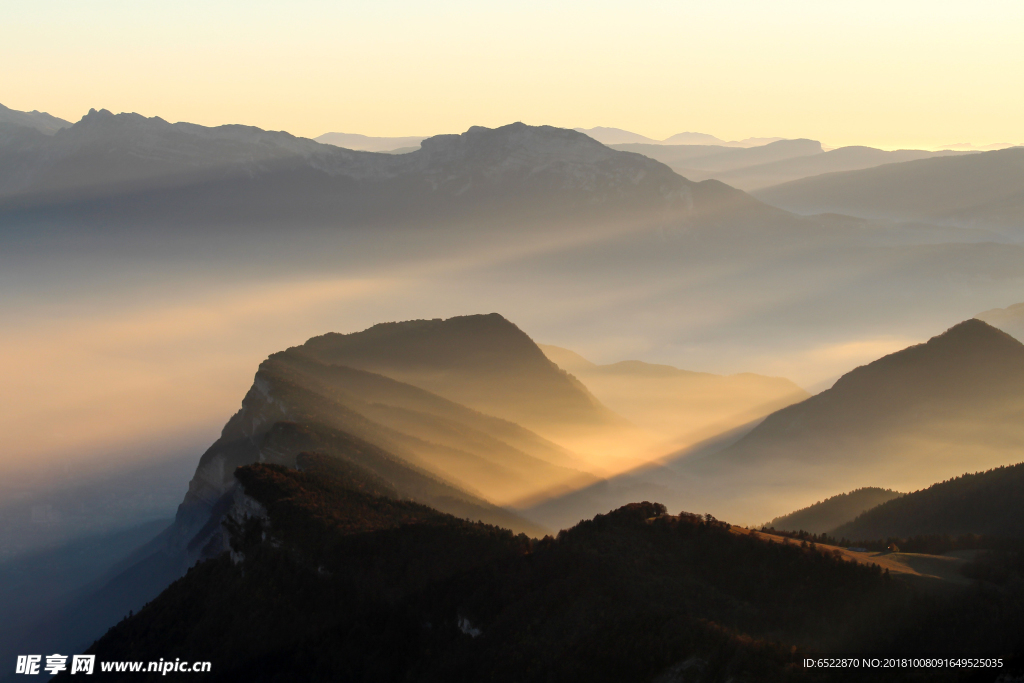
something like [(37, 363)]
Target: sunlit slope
[(412, 445), (826, 515), (986, 503), (679, 406), (975, 190), (937, 571), (261, 433), (494, 458)]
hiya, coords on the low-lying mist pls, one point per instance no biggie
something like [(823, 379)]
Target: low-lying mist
[(123, 344)]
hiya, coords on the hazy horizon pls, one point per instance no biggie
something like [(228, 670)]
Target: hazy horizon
[(829, 72)]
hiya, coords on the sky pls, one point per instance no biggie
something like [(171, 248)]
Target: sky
[(888, 74)]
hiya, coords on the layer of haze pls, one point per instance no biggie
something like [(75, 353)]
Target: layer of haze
[(99, 356), (887, 74)]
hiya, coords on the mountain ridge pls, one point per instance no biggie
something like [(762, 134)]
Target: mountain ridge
[(41, 121), (914, 363), (970, 190), (182, 172)]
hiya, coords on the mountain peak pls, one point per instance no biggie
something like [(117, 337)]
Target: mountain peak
[(469, 341), (975, 331), (967, 348), (482, 361), (527, 145), (971, 374)]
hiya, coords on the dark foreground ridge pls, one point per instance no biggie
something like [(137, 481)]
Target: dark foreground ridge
[(984, 503), (330, 577)]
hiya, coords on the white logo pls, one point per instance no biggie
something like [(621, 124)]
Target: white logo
[(55, 663), (82, 664), (28, 664)]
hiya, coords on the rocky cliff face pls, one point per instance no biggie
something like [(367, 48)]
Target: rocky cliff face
[(213, 492)]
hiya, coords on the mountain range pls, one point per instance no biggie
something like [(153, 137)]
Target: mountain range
[(774, 163), (38, 120), (617, 136), (126, 168), (367, 143)]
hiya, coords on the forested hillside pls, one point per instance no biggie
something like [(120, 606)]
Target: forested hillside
[(331, 579), (985, 503)]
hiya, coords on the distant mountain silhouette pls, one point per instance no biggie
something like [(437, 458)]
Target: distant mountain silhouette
[(128, 169), (756, 168), (763, 175), (703, 138), (973, 190), (367, 143), (700, 162), (826, 515), (985, 503), (39, 120), (47, 597), (971, 147), (617, 136)]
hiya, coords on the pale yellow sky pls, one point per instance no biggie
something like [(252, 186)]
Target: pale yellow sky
[(889, 74)]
